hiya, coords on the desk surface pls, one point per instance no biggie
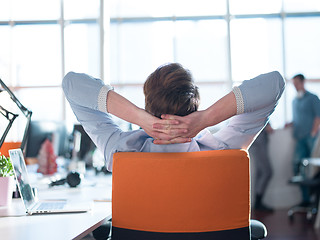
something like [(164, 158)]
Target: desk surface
[(67, 226)]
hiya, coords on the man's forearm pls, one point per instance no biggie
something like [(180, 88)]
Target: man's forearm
[(223, 109), (122, 108)]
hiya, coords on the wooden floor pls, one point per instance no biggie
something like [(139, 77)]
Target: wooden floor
[(281, 228)]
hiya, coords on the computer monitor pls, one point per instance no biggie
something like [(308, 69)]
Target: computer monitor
[(39, 131), (85, 143)]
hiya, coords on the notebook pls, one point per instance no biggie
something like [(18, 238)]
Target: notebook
[(31, 203)]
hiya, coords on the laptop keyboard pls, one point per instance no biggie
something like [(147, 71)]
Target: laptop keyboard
[(51, 205)]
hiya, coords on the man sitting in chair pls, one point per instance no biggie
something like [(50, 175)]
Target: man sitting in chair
[(171, 113)]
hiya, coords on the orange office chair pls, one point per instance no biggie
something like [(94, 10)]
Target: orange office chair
[(4, 150), (194, 195)]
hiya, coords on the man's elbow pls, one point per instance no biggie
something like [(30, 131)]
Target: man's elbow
[(280, 80), (67, 81), (279, 83)]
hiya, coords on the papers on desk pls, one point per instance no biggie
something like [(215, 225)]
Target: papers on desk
[(102, 200)]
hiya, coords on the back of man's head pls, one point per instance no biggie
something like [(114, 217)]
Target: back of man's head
[(300, 77), (170, 90)]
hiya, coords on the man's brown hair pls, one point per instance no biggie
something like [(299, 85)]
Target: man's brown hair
[(170, 90), (300, 77)]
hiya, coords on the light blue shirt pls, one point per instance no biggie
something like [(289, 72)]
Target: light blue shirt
[(305, 110), (256, 100)]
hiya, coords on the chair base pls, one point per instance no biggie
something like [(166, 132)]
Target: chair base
[(234, 234), (258, 230), (309, 211)]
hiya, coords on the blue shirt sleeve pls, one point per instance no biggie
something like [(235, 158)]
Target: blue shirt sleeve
[(82, 93), (259, 97), (316, 106)]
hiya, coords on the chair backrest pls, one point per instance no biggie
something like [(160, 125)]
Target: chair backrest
[(4, 150), (194, 195)]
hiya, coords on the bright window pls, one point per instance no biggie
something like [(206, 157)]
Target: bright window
[(36, 55), (302, 38), (197, 48), (255, 6), (82, 47), (166, 8), (222, 42), (256, 47), (34, 9), (301, 6)]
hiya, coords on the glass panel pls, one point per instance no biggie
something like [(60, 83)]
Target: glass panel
[(5, 10), (37, 55), (5, 56), (141, 48), (201, 46), (147, 8), (210, 93), (255, 47), (74, 9), (290, 95), (135, 95), (255, 6), (35, 9), (199, 7), (278, 118), (45, 103), (301, 6), (82, 48), (70, 117), (114, 58), (313, 87), (302, 37)]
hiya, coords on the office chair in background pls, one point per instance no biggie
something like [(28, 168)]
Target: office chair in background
[(309, 177), (194, 195)]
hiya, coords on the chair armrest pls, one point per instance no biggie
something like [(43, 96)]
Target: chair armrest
[(258, 230)]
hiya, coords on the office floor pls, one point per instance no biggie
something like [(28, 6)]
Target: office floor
[(280, 228)]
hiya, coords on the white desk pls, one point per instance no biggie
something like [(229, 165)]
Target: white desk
[(59, 226)]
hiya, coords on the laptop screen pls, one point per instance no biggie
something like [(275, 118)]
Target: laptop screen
[(21, 175)]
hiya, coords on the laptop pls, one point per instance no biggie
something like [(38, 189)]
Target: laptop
[(31, 203)]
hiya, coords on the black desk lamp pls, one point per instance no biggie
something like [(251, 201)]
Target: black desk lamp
[(11, 116)]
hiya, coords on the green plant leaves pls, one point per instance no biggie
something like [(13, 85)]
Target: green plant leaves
[(6, 168)]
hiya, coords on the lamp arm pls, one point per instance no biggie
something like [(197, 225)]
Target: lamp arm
[(25, 134), (27, 113), (23, 109), (7, 114)]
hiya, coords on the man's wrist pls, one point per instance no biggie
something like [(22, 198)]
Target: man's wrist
[(140, 117), (207, 118)]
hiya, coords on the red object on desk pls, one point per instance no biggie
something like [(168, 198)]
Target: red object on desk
[(47, 158)]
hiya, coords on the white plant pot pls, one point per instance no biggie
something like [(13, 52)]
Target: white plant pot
[(6, 190)]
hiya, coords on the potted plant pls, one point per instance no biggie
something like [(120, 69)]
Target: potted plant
[(6, 180)]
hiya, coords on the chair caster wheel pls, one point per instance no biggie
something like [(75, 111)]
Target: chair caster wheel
[(309, 216)]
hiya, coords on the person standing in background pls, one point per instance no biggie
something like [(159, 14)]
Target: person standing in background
[(305, 124), (263, 169)]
